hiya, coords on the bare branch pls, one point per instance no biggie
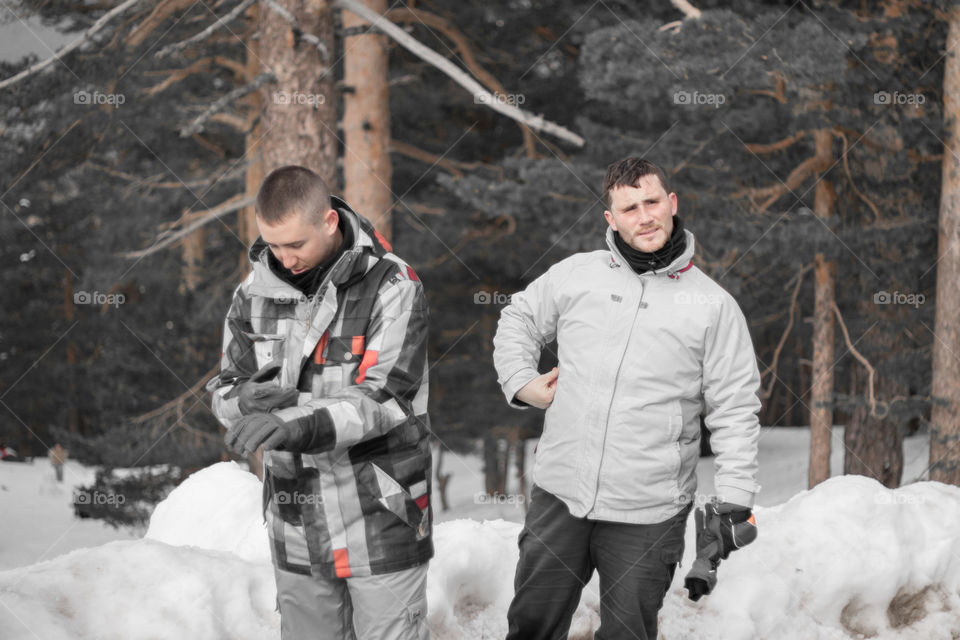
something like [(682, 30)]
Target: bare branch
[(163, 10), (846, 167), (772, 368), (856, 354), (480, 94), (203, 217), (197, 125), (220, 22), (777, 146), (94, 28), (688, 9)]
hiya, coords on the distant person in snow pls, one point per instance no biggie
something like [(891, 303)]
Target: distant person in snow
[(325, 366), (58, 455), (646, 342), (9, 454)]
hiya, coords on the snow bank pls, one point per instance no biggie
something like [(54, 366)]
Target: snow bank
[(848, 559)]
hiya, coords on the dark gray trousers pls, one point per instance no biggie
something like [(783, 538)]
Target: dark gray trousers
[(558, 554)]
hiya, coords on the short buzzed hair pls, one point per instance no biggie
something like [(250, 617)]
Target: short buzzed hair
[(292, 189), (627, 173)]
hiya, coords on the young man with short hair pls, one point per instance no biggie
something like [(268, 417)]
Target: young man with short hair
[(325, 367), (647, 342)]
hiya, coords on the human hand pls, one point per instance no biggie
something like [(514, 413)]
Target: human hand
[(539, 392)]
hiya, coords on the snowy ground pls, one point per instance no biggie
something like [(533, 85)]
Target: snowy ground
[(848, 559)]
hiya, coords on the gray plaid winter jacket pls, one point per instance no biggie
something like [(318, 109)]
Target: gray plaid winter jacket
[(358, 502)]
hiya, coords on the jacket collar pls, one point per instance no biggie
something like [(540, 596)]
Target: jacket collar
[(679, 263), (367, 248)]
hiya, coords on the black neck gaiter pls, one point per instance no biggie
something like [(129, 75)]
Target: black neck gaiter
[(641, 261), (309, 281)]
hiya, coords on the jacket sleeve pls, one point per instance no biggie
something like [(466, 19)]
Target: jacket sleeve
[(731, 381), (526, 324), (391, 383), (238, 361)]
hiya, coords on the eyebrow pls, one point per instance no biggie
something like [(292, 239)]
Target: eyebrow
[(286, 244)]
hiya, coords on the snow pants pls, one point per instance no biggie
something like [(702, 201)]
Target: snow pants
[(558, 554), (391, 606)]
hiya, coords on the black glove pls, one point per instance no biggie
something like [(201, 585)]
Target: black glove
[(261, 397), (737, 527), (254, 430), (721, 528)]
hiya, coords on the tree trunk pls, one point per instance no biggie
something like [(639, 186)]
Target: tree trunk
[(874, 445), (443, 479), (366, 121), (821, 393), (945, 412), (495, 465), (70, 313), (192, 251), (300, 111)]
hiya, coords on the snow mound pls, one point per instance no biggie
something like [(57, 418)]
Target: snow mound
[(849, 558), (216, 508), (140, 589)]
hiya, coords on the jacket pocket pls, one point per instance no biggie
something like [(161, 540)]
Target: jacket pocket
[(267, 347), (410, 505)]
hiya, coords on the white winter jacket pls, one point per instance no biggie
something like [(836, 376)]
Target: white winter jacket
[(640, 358)]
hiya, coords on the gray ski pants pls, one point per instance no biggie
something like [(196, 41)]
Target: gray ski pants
[(391, 606)]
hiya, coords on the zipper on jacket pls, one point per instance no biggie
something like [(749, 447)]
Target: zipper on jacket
[(603, 445)]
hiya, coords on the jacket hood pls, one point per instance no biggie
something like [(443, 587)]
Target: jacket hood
[(366, 250), (678, 263)]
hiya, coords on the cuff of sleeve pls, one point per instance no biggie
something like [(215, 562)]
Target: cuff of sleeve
[(229, 408), (514, 383), (735, 495)]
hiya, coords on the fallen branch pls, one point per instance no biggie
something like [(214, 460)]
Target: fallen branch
[(856, 354), (480, 94), (203, 217), (197, 125), (219, 23), (94, 28)]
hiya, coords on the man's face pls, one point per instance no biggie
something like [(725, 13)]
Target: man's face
[(642, 215), (300, 245)]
